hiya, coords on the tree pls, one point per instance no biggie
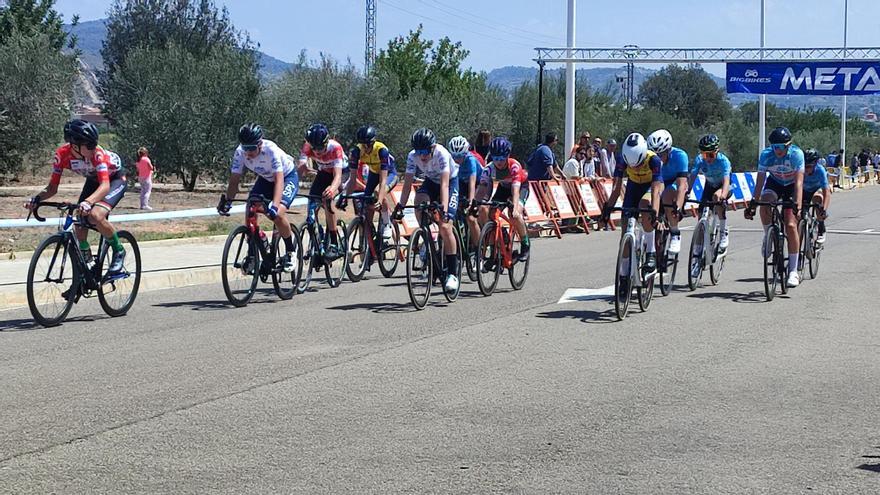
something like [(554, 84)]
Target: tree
[(185, 108), (195, 26), (416, 63), (31, 17), (688, 93)]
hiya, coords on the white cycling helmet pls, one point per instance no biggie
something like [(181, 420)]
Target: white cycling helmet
[(635, 149), (459, 144), (660, 141)]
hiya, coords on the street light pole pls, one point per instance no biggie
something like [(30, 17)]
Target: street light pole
[(762, 110), (843, 110), (569, 82)]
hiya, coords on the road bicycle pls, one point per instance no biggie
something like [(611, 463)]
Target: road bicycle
[(498, 251), (707, 233), (667, 263), (319, 250), (366, 242), (775, 259), (469, 256), (811, 251), (250, 256), (60, 274), (631, 242), (425, 261)]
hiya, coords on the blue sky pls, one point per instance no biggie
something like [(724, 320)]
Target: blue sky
[(503, 32)]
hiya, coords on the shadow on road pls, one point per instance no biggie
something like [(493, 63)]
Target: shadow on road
[(585, 316), (383, 307), (869, 467), (738, 297), (24, 325), (755, 280), (218, 304)]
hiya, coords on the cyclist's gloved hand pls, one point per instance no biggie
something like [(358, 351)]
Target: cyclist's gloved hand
[(398, 212), (85, 207), (753, 204), (341, 203), (272, 211), (32, 204), (372, 200), (223, 206)]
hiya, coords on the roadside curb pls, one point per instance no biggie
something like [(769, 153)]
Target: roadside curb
[(20, 255)]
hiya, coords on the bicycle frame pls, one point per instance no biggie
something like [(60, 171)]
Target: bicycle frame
[(505, 246), (634, 230)]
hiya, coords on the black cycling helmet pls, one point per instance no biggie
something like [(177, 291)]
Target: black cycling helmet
[(317, 135), (366, 134), (780, 135), (250, 134), (80, 132), (811, 156), (499, 146), (423, 139), (709, 142)]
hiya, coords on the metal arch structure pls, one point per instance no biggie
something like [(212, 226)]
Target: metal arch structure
[(370, 40), (635, 54)]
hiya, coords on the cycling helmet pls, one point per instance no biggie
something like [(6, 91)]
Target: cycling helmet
[(366, 134), (317, 135), (459, 145), (499, 146), (709, 142), (81, 132), (780, 135), (811, 156), (635, 149), (250, 134), (68, 125), (660, 141), (423, 139)]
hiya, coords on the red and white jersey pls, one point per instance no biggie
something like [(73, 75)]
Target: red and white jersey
[(331, 157), (101, 167)]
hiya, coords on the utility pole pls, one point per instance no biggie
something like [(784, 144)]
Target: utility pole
[(370, 40)]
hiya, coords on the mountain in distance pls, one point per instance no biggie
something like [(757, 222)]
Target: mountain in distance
[(599, 78)]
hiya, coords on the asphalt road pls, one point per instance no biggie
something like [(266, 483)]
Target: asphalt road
[(350, 390)]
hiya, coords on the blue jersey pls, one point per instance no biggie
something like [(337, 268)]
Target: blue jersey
[(676, 167), (715, 172), (469, 167), (817, 180), (782, 170)]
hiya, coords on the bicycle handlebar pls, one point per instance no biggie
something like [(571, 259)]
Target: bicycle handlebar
[(723, 202), (494, 204), (69, 207), (632, 210)]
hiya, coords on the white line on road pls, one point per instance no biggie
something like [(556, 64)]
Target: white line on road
[(577, 295)]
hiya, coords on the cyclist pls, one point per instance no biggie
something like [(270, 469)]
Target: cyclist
[(381, 169), (715, 166), (276, 179), (469, 170), (510, 176), (440, 185), (329, 156), (104, 187), (674, 171), (783, 162), (642, 168), (817, 189)]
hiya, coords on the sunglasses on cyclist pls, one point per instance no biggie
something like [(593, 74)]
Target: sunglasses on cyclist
[(710, 154), (779, 146), (249, 147), (499, 158), (460, 156), (423, 152)]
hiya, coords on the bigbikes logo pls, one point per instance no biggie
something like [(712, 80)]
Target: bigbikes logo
[(751, 76)]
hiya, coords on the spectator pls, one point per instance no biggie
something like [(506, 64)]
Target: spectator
[(831, 159), (481, 144), (573, 168), (607, 159), (854, 165), (145, 177), (583, 142), (589, 163), (541, 162), (876, 161), (864, 159)]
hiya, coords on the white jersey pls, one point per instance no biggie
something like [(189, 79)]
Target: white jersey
[(441, 161), (270, 161)]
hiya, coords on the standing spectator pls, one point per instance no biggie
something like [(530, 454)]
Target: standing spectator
[(854, 165), (589, 163), (607, 159), (541, 162), (831, 159), (481, 144), (864, 159), (145, 177), (583, 142), (876, 161)]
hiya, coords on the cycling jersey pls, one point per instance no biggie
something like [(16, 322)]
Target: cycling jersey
[(646, 172), (676, 167), (377, 160), (783, 170), (479, 158), (101, 167), (817, 180), (716, 171), (507, 177), (331, 157), (440, 161), (270, 161), (468, 168)]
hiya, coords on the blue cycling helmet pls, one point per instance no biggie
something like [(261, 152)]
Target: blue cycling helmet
[(318, 135), (500, 146)]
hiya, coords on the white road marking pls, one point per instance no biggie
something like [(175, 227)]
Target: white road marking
[(578, 295)]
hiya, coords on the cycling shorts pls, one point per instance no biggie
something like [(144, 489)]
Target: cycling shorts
[(267, 189), (373, 182), (635, 192), (118, 186), (432, 190)]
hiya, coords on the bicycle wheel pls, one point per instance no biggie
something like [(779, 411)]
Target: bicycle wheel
[(468, 255), (241, 266), (520, 269), (389, 250), (450, 295), (117, 292), (771, 275), (310, 256), (695, 258), (816, 252), (667, 263), (803, 249), (419, 269), (488, 260), (52, 274), (622, 295), (718, 258), (645, 291), (334, 267), (286, 283), (359, 251)]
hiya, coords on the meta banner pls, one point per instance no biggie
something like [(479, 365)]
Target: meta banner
[(804, 78)]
